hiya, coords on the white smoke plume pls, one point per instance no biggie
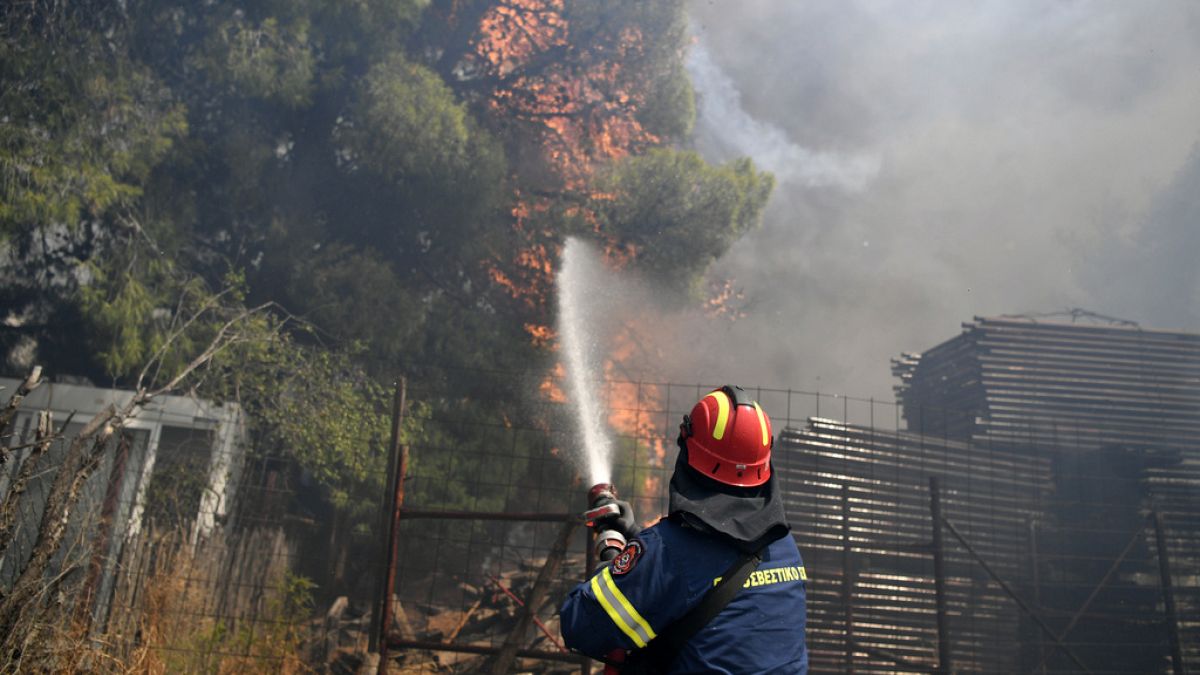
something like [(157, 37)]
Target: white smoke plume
[(725, 130), (939, 161)]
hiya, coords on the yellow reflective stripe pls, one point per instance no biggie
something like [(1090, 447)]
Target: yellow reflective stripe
[(613, 613), (643, 628), (722, 413), (620, 610), (762, 422)]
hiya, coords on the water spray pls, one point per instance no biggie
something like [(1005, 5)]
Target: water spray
[(577, 283)]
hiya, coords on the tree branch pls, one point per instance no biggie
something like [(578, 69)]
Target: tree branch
[(215, 345), (210, 303), (10, 410), (8, 509), (76, 468)]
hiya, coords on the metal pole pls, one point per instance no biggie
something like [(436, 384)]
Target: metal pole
[(1168, 591), (385, 510), (1037, 590), (1013, 594), (528, 613), (939, 577), (848, 617), (1112, 570), (399, 453)]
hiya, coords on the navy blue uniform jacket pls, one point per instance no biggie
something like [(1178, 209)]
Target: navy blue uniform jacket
[(624, 606)]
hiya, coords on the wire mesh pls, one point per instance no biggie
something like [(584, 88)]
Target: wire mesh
[(184, 548), (1048, 520), (1064, 524)]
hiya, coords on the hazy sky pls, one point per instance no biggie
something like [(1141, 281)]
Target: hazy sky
[(937, 161)]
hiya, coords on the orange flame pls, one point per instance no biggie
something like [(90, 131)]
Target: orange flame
[(725, 301), (551, 388), (511, 33), (542, 336), (578, 102), (574, 97)]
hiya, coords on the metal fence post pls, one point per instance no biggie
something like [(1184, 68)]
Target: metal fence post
[(847, 609), (939, 577), (398, 466), (1168, 591)]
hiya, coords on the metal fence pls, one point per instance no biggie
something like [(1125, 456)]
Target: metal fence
[(1051, 559), (1044, 561)]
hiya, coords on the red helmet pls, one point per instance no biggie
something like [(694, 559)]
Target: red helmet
[(728, 438)]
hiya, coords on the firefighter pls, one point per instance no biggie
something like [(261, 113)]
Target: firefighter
[(651, 608)]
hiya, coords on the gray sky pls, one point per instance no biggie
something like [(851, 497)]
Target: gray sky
[(937, 161)]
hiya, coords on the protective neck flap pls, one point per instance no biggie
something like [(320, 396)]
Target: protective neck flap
[(752, 517)]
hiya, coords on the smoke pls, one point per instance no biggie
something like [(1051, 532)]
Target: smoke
[(939, 161), (726, 130)]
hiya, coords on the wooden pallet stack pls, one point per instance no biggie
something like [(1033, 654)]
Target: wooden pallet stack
[(1117, 409), (1065, 385), (859, 502)]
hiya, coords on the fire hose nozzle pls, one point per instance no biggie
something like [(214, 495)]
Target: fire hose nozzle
[(601, 503), (592, 515), (609, 543), (601, 491)]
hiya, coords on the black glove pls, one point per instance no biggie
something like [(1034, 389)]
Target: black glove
[(623, 522)]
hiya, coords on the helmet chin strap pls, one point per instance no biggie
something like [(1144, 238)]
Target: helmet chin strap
[(685, 432)]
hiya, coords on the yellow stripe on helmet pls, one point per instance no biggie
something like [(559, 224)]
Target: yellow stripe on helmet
[(722, 400), (762, 422)]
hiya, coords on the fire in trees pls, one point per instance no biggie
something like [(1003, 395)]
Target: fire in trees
[(575, 83)]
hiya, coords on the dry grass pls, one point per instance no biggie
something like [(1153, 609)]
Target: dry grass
[(172, 623)]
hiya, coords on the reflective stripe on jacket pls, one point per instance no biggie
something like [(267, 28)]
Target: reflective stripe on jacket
[(760, 631)]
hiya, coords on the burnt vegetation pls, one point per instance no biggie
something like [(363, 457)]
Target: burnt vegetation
[(287, 204)]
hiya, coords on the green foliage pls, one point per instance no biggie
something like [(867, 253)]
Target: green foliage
[(670, 111), (78, 136), (407, 123), (331, 153), (316, 405), (263, 60), (135, 307), (681, 213), (333, 420), (355, 297), (405, 128)]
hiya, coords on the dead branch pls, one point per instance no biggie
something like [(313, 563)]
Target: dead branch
[(218, 343), (10, 410), (156, 360), (8, 510), (64, 493), (79, 464)]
